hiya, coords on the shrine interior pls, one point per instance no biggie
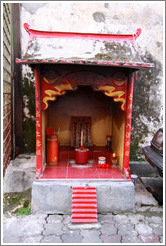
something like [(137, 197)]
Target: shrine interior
[(105, 117)]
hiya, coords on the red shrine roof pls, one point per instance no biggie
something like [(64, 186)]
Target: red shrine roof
[(83, 48)]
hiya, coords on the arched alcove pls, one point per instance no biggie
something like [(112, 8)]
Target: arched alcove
[(83, 102)]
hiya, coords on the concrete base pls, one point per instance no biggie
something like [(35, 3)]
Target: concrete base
[(55, 196), (20, 174)]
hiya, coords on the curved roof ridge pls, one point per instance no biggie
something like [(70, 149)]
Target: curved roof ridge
[(93, 36)]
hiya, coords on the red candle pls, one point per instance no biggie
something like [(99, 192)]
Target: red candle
[(107, 165)]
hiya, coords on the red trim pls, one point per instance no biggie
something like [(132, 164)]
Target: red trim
[(39, 158), (119, 64), (126, 156), (45, 34)]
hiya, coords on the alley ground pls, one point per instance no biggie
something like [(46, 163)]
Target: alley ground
[(144, 226)]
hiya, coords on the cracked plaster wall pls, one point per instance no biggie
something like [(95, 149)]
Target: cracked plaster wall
[(114, 17)]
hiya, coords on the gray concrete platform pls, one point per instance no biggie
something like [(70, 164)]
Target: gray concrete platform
[(55, 196)]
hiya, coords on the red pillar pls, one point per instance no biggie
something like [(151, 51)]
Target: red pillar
[(39, 159), (126, 155)]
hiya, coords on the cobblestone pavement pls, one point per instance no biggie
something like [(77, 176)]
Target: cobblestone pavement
[(143, 226)]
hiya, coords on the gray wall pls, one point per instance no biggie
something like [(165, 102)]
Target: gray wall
[(116, 17)]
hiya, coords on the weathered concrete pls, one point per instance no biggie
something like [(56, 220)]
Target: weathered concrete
[(83, 226), (20, 174), (51, 197), (155, 186), (143, 197), (25, 226), (56, 196)]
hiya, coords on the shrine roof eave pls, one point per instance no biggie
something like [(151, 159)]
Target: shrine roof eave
[(83, 49), (136, 65)]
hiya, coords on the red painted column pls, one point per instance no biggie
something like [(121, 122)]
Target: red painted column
[(39, 160), (126, 155)]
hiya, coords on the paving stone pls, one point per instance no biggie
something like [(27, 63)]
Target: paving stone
[(9, 220), (120, 218), (85, 233), (106, 218), (157, 229), (130, 239), (149, 238), (11, 238), (126, 229), (111, 239), (51, 239), (91, 236), (108, 229), (54, 218), (66, 219), (136, 218), (24, 225), (143, 229), (53, 229), (73, 237), (65, 229), (36, 239), (154, 219)]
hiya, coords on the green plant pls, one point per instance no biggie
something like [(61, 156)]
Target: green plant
[(29, 125), (23, 211)]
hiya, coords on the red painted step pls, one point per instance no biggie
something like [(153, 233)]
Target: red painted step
[(76, 205), (84, 196), (84, 220), (84, 188), (84, 205)]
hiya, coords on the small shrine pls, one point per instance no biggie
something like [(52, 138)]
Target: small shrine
[(84, 96)]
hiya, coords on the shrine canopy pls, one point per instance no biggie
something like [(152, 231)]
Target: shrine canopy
[(83, 48)]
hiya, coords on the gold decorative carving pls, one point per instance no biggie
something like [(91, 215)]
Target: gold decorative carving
[(109, 91), (59, 90)]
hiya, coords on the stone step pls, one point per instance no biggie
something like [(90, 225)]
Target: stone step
[(80, 215)]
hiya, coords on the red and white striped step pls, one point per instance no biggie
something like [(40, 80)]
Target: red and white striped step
[(84, 205)]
